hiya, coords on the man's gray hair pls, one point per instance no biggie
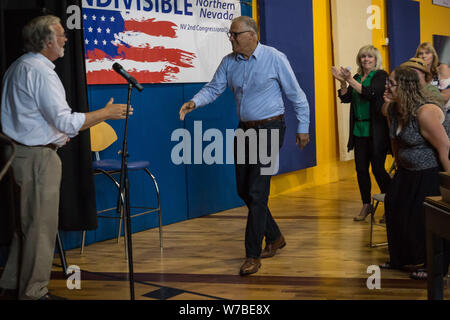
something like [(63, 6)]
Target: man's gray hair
[(37, 32), (249, 22)]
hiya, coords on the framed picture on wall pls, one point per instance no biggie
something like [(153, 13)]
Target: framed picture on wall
[(444, 3), (442, 46)]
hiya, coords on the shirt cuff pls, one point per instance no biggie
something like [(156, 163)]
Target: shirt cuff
[(80, 118), (303, 128), (197, 101)]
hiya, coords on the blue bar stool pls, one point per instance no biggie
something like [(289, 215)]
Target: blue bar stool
[(102, 136)]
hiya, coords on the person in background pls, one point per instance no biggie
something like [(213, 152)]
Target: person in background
[(419, 132), (369, 135), (37, 117), (429, 91), (444, 83), (427, 52)]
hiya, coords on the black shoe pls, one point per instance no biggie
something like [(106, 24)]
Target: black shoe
[(50, 296), (8, 294)]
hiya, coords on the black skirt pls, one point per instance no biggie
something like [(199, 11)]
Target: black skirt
[(405, 220)]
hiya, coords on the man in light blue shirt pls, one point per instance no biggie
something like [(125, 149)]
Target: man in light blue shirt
[(257, 75)]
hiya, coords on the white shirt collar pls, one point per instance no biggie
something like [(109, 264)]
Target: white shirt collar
[(39, 56)]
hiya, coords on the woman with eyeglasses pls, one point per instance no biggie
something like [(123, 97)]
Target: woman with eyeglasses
[(419, 132), (369, 135)]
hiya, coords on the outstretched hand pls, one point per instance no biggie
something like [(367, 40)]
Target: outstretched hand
[(186, 108), (117, 110)]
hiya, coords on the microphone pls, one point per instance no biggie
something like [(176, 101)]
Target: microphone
[(120, 70)]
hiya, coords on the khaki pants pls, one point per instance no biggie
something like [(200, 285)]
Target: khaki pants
[(37, 171)]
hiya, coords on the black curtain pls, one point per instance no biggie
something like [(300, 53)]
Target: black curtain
[(77, 198)]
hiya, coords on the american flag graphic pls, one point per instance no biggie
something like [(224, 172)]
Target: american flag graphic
[(147, 48)]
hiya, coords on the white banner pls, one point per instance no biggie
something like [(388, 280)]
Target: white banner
[(156, 41)]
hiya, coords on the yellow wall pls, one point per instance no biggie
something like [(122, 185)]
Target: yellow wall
[(328, 168), (379, 41), (379, 35), (434, 20), (255, 11)]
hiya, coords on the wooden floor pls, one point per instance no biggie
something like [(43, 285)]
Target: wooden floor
[(326, 257)]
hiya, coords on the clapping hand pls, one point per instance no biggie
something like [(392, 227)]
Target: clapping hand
[(346, 74), (337, 74)]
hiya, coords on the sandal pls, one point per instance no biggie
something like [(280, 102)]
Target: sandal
[(365, 211), (419, 274)]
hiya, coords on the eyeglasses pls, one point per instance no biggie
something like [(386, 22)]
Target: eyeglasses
[(235, 34), (391, 84)]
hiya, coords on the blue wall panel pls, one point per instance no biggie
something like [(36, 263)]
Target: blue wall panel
[(403, 17), (149, 132), (187, 191), (212, 188), (288, 26)]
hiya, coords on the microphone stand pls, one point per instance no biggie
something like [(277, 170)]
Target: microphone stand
[(124, 203)]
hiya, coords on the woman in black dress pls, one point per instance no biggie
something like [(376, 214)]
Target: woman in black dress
[(418, 130)]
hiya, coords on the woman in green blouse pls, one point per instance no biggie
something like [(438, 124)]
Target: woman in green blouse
[(369, 136)]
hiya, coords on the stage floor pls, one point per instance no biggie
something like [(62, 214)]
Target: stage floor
[(326, 257)]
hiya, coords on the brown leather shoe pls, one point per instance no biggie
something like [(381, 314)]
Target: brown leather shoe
[(250, 265), (270, 249)]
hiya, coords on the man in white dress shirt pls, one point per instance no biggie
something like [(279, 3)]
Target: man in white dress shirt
[(35, 114)]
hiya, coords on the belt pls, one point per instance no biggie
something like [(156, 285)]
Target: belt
[(50, 145), (255, 123)]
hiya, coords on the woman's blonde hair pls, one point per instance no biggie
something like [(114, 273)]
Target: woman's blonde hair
[(371, 50), (429, 47)]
